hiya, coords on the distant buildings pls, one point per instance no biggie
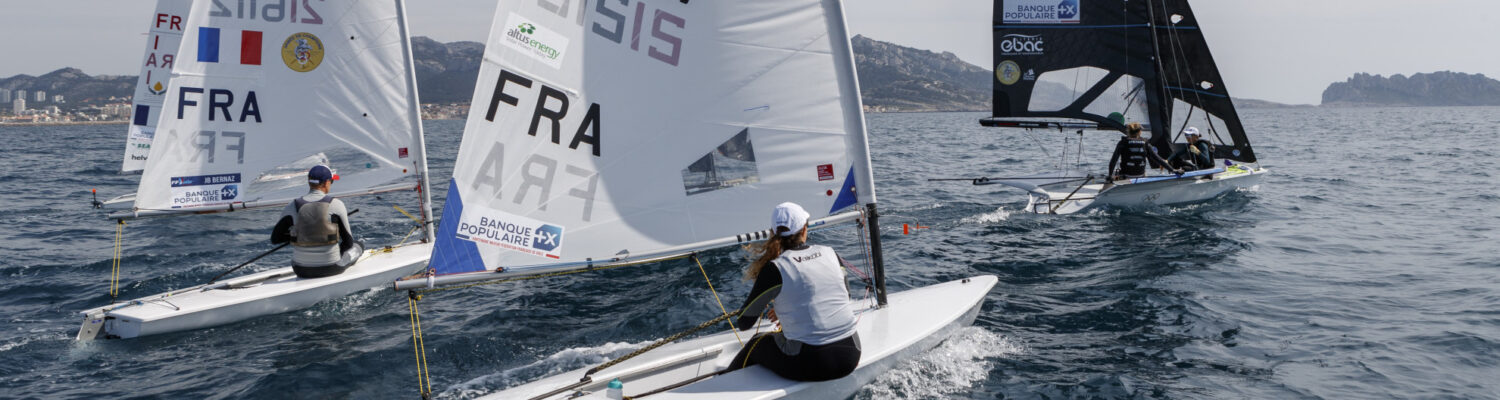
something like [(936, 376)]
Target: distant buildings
[(57, 99), (4, 96), (20, 95), (41, 96), (18, 106)]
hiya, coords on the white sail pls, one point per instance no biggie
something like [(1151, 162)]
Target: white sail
[(614, 131), (167, 25), (258, 90)]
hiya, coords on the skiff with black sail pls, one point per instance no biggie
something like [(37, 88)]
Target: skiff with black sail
[(1084, 65), (649, 130), (255, 95)]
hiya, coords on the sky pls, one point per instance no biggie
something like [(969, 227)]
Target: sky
[(1279, 50)]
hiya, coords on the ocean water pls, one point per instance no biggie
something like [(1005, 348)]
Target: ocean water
[(1364, 266)]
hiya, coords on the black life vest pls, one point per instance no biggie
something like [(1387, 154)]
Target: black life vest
[(314, 227), (1133, 157)]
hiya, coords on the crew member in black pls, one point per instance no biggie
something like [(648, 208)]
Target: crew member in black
[(817, 341), (1198, 154), (318, 227), (1133, 154)]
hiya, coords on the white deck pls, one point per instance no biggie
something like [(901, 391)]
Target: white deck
[(264, 293), (1071, 193), (914, 321)]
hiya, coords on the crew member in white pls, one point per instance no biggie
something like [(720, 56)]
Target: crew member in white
[(318, 227), (817, 341)]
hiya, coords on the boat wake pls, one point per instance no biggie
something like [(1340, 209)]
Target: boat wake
[(566, 360), (952, 367), (1000, 214)]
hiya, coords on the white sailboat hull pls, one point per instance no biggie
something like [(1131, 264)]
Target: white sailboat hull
[(232, 300), (1074, 195), (913, 322)]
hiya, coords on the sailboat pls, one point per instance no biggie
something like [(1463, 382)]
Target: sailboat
[(257, 95), (622, 134), (1097, 64), (163, 37)]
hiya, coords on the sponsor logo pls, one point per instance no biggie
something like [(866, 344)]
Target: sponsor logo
[(1030, 75), (548, 237), (402, 153), (825, 172), (510, 232), (302, 52), (1042, 12), (535, 41), (1020, 45), (808, 257), (1008, 72), (205, 190), (157, 89), (201, 180)]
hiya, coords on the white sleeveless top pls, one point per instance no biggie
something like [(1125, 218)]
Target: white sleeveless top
[(813, 305)]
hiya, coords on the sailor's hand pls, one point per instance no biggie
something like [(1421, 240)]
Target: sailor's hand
[(1178, 172), (1195, 150), (772, 315)]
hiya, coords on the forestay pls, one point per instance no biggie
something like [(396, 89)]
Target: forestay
[(610, 133), (1136, 58), (162, 39), (258, 91)]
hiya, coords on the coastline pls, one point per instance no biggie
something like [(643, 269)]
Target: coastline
[(63, 123)]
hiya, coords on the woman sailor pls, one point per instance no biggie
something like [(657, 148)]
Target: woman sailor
[(817, 341)]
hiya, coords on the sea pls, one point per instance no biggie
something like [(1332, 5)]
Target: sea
[(1364, 266)]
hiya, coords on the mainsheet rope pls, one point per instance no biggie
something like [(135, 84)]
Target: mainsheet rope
[(716, 298), (114, 274)]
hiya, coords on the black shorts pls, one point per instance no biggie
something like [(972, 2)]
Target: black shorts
[(811, 363)]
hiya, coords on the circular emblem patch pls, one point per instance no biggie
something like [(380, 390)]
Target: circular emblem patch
[(302, 52), (1008, 72)]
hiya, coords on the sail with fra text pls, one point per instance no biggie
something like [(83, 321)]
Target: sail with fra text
[(650, 129)]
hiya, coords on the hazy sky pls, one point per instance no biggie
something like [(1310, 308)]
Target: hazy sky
[(1280, 50)]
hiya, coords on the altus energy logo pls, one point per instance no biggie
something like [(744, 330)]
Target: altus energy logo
[(538, 42)]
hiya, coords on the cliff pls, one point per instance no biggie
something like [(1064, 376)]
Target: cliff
[(1435, 89)]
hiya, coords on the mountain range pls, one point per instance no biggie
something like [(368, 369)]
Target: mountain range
[(892, 78)]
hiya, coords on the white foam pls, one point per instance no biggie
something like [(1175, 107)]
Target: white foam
[(954, 366), (566, 360), (988, 218)]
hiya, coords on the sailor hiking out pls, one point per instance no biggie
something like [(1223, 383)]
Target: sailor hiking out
[(317, 225), (817, 341)]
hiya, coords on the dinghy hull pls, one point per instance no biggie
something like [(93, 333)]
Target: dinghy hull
[(913, 322), (1072, 194), (232, 300)]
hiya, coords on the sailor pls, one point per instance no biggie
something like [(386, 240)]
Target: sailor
[(318, 227), (1133, 154), (1198, 154), (817, 341)]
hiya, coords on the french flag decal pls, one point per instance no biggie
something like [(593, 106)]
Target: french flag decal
[(209, 45)]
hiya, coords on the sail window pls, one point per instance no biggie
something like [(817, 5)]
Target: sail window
[(729, 165), (1056, 90), (1206, 85), (1125, 96), (1185, 115)]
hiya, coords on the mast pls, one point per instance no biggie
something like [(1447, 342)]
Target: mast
[(424, 192), (1158, 99), (854, 119)]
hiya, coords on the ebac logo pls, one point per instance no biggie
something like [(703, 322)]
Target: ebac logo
[(229, 192), (1068, 9), (548, 238)]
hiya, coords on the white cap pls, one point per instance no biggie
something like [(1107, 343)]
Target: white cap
[(1193, 131), (790, 215)]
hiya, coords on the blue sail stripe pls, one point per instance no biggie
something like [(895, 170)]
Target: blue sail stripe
[(452, 254)]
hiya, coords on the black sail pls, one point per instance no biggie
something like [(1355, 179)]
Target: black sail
[(1122, 38)]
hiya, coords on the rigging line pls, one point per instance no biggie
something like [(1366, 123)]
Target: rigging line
[(114, 274), (1177, 47), (659, 343), (716, 297), (424, 380)]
